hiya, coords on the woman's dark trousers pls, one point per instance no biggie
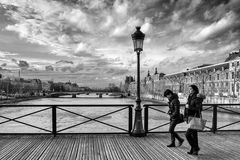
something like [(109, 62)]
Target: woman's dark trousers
[(192, 137), (174, 135)]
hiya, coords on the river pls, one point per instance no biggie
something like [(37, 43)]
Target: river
[(65, 119)]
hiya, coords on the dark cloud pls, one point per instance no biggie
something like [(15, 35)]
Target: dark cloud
[(102, 63), (64, 61), (79, 67), (120, 72), (117, 71), (4, 64), (84, 54), (23, 64), (49, 68), (5, 70), (90, 5), (14, 61), (75, 69), (177, 28), (172, 46), (167, 66)]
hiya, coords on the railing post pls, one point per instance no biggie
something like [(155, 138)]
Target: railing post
[(54, 121), (146, 118), (129, 119), (214, 119)]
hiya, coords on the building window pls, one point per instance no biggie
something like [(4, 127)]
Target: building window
[(232, 87), (217, 76), (232, 75), (233, 64), (210, 77), (226, 75), (237, 63), (226, 84), (237, 87), (191, 79)]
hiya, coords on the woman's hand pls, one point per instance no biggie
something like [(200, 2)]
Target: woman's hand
[(186, 106)]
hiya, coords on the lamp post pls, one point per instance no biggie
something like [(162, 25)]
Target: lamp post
[(138, 130), (1, 85)]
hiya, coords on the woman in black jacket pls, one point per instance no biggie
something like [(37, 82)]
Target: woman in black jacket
[(193, 109), (174, 112)]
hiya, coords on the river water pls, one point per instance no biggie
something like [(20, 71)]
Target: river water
[(66, 119)]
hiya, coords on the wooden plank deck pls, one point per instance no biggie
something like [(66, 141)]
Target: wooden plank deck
[(223, 145)]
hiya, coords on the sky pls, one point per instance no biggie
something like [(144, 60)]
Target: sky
[(88, 42)]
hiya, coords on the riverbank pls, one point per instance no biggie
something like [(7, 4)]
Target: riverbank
[(16, 100)]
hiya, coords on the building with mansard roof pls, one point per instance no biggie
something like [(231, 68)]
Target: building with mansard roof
[(217, 81)]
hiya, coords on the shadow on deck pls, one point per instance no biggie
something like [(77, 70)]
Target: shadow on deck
[(224, 145)]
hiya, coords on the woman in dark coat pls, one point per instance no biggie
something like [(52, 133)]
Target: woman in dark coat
[(174, 112), (193, 109)]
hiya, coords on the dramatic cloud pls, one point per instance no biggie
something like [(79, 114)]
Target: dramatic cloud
[(216, 28), (23, 64), (90, 41), (5, 54), (49, 68), (64, 62), (4, 64)]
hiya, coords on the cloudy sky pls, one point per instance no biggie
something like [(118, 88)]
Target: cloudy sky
[(88, 41)]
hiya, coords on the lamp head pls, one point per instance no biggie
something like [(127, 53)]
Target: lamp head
[(138, 38)]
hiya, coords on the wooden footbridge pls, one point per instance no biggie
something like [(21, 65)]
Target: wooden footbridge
[(220, 146), (55, 142)]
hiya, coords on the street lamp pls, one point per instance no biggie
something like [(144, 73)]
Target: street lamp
[(138, 38)]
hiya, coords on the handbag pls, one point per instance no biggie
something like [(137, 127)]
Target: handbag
[(197, 123)]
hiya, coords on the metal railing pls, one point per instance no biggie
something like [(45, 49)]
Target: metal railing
[(65, 108), (213, 109)]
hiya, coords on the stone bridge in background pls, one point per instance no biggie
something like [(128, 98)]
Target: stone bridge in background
[(74, 94)]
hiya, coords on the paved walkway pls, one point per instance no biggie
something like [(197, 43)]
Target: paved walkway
[(224, 145)]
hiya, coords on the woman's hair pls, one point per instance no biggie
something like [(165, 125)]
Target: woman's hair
[(167, 92), (195, 88)]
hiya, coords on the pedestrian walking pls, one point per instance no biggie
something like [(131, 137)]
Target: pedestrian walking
[(193, 108), (175, 117)]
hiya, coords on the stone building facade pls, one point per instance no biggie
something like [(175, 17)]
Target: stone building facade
[(219, 82)]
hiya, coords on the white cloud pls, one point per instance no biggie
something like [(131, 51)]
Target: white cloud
[(96, 33), (127, 28), (216, 28), (95, 4), (22, 29), (4, 54), (121, 7), (76, 17), (147, 26), (147, 40), (42, 22), (83, 47), (107, 22)]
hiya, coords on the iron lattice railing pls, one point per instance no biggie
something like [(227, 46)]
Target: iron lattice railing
[(213, 109), (65, 108)]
